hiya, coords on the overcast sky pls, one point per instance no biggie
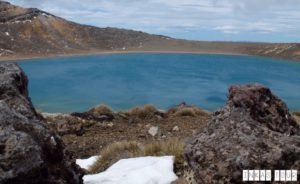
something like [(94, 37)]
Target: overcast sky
[(233, 20)]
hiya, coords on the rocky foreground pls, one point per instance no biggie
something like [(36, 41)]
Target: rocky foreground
[(254, 130), (29, 151)]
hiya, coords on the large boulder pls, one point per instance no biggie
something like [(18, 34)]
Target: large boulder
[(254, 130), (29, 151), (14, 92)]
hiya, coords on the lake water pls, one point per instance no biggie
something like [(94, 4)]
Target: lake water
[(123, 81)]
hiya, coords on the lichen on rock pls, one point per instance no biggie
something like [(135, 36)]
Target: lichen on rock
[(254, 130)]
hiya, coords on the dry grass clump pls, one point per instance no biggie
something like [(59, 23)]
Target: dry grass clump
[(130, 149), (173, 146), (296, 116), (115, 152), (191, 111), (142, 112), (101, 110)]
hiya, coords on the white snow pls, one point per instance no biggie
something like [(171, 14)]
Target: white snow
[(46, 15), (86, 163), (142, 170), (53, 115), (5, 50), (7, 33)]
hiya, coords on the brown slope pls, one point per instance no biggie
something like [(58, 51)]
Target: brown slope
[(25, 31), (35, 33)]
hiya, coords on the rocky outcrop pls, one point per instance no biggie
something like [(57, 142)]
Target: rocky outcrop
[(29, 152), (254, 130), (13, 90)]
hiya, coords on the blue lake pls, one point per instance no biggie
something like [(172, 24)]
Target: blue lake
[(123, 81)]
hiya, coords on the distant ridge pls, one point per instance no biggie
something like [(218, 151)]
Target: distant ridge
[(30, 32)]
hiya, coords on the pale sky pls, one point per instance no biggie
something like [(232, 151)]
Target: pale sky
[(223, 20)]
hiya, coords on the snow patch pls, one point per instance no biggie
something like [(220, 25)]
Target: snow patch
[(46, 15), (86, 163), (143, 170), (5, 50), (52, 115), (141, 45), (7, 33)]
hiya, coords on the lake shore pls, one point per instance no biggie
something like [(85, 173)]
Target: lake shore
[(87, 53), (21, 58)]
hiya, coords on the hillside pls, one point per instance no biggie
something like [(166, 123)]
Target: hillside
[(30, 32)]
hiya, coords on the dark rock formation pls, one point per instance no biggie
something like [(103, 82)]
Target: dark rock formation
[(29, 152), (13, 90), (93, 117), (68, 124), (253, 131)]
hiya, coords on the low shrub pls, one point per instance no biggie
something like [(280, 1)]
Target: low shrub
[(191, 111), (296, 114), (100, 110), (142, 112)]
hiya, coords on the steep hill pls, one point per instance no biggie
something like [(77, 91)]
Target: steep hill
[(30, 32)]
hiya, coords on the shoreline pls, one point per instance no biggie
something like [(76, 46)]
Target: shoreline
[(164, 110), (90, 53), (23, 58)]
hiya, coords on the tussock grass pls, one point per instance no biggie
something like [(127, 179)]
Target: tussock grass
[(191, 111), (173, 146), (130, 149), (142, 112), (115, 152), (296, 114), (101, 110)]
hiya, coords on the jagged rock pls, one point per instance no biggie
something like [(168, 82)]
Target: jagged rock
[(253, 131), (13, 90), (29, 152)]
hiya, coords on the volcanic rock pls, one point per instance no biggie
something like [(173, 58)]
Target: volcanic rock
[(254, 130), (13, 90), (29, 152), (93, 117)]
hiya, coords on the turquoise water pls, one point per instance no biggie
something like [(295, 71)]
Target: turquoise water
[(123, 81)]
